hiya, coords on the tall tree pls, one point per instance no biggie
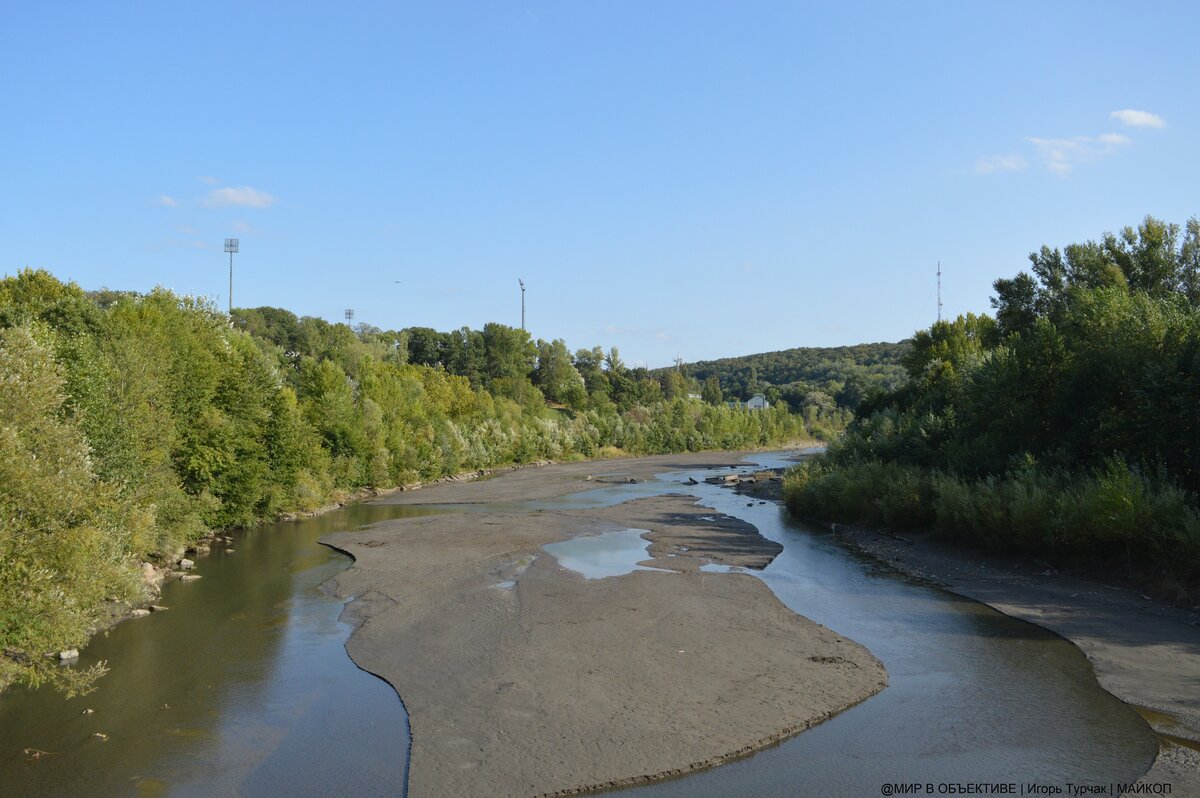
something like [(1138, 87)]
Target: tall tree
[(711, 392)]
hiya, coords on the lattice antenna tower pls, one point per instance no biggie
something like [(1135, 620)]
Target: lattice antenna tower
[(939, 273)]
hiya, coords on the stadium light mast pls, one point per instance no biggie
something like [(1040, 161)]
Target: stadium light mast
[(349, 315), (231, 246), (522, 282)]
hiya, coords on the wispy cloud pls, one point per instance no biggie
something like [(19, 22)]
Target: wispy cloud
[(166, 202), (188, 230), (999, 163), (242, 196), (243, 227), (1062, 155), (212, 181), (1134, 118)]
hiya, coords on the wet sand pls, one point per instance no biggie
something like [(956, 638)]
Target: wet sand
[(562, 684)]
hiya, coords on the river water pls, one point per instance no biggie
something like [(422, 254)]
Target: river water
[(243, 686)]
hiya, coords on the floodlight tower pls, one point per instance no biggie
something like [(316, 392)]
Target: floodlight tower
[(522, 282), (231, 246), (349, 315)]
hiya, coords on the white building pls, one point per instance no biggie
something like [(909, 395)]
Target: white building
[(757, 402)]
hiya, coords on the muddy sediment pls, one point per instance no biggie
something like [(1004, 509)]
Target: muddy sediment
[(522, 677)]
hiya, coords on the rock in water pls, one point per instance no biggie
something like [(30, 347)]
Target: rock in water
[(68, 654), (186, 564)]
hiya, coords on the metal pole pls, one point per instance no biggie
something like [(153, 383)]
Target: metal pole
[(522, 282), (939, 291), (231, 246)]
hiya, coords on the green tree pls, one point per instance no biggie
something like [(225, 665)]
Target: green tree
[(64, 538), (555, 374), (711, 393), (509, 357)]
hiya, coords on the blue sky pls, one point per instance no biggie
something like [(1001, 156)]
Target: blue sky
[(695, 179)]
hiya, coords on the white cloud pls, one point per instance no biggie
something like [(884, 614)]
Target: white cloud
[(166, 202), (212, 181), (242, 227), (999, 163), (242, 196), (1061, 155), (1138, 118)]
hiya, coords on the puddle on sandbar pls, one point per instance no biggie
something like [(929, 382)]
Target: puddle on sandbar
[(510, 573), (608, 554), (718, 568)]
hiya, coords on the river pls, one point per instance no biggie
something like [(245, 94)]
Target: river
[(243, 686)]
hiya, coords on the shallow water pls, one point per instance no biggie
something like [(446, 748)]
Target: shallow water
[(244, 686), (608, 554), (973, 695)]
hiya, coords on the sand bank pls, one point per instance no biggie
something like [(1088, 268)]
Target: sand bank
[(560, 683)]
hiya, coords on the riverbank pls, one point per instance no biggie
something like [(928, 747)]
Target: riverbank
[(1145, 652), (522, 677), (154, 573)]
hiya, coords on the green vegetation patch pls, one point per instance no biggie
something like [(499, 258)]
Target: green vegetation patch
[(1068, 426), (132, 425)]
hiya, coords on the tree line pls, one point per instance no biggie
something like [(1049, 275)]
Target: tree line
[(817, 380), (1067, 425), (132, 425)]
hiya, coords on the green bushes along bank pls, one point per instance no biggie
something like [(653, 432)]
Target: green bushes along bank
[(1068, 426), (131, 425)]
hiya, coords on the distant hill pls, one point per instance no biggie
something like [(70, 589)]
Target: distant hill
[(821, 376)]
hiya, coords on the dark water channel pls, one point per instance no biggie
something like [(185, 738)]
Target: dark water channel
[(244, 688)]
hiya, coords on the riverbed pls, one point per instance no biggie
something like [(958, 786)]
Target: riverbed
[(243, 686)]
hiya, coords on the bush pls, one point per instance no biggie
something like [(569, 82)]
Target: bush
[(1112, 516)]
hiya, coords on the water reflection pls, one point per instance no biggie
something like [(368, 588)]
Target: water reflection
[(242, 687), (613, 553)]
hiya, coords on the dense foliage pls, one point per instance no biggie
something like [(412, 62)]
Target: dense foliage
[(823, 380), (1069, 425), (131, 425)]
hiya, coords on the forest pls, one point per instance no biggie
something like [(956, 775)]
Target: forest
[(823, 378), (133, 424), (1065, 426)]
